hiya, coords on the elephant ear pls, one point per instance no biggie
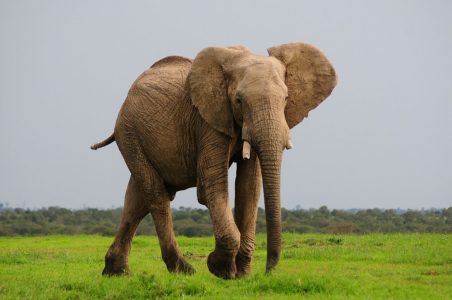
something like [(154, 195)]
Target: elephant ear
[(208, 87), (310, 78)]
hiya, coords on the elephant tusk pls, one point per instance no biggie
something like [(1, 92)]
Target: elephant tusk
[(289, 145), (246, 150)]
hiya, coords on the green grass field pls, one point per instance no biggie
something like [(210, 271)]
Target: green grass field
[(314, 266)]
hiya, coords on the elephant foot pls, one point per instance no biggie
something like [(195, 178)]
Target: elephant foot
[(243, 264), (180, 265), (222, 265), (108, 271), (115, 266)]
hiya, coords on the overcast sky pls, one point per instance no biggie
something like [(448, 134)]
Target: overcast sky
[(382, 139)]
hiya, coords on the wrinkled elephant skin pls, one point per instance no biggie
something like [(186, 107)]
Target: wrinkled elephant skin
[(184, 122)]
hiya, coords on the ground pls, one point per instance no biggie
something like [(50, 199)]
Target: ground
[(312, 266)]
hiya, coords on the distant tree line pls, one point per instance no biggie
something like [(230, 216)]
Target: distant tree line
[(196, 222)]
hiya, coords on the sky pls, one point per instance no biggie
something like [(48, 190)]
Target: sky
[(383, 139)]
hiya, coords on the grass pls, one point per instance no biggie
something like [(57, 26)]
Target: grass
[(312, 266)]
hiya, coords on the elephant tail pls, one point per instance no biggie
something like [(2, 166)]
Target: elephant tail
[(104, 143)]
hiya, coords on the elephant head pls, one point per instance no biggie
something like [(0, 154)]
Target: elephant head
[(261, 98)]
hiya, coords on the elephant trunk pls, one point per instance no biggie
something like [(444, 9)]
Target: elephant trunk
[(269, 141), (270, 161), (266, 131)]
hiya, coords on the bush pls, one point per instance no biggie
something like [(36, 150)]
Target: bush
[(196, 222)]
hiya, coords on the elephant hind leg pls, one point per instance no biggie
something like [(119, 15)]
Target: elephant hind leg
[(247, 192), (116, 259), (155, 198), (172, 256)]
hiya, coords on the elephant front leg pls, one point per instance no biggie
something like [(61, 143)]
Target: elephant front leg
[(213, 191), (221, 261), (247, 192)]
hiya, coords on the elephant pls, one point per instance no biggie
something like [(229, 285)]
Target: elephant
[(184, 122)]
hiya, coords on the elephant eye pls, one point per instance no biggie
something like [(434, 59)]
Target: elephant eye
[(239, 99)]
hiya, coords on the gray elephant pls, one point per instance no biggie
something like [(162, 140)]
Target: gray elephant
[(185, 122)]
